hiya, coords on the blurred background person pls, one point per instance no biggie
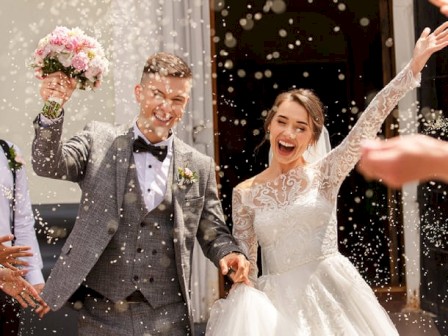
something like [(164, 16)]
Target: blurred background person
[(16, 219), (13, 284)]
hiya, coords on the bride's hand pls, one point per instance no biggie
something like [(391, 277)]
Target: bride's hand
[(428, 44), (236, 266)]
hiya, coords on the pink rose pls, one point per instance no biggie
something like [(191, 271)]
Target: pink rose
[(188, 173), (80, 61), (19, 159), (38, 73)]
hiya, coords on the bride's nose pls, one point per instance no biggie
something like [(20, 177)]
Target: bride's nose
[(290, 133)]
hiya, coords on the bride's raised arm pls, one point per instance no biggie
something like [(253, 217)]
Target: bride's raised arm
[(344, 157), (427, 45)]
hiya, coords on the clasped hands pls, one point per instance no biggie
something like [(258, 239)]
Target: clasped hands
[(236, 267), (11, 278)]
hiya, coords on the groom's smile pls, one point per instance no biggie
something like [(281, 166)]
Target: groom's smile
[(162, 117)]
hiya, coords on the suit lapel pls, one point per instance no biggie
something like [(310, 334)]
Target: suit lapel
[(181, 159), (123, 152)]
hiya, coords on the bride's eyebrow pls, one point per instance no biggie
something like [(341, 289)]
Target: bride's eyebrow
[(300, 122)]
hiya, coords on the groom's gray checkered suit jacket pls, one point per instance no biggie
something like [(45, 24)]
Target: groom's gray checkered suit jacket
[(98, 160)]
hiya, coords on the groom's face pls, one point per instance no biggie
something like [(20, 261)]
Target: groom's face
[(162, 103)]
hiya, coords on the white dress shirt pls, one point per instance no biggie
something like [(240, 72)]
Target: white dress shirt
[(152, 174), (24, 232)]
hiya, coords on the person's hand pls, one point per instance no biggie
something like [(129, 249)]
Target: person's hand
[(427, 44), (39, 288), (442, 4), (57, 85), (41, 310), (13, 284), (236, 266), (9, 254), (403, 159)]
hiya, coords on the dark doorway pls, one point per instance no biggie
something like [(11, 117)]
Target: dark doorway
[(336, 49), (433, 199)]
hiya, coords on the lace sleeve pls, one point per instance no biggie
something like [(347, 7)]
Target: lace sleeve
[(243, 231), (344, 157)]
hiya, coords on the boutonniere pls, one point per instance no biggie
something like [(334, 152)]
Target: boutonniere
[(186, 176), (16, 162)]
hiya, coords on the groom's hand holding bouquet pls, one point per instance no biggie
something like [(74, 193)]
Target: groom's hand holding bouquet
[(64, 60), (56, 89)]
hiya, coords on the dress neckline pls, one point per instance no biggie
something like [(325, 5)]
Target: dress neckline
[(254, 186)]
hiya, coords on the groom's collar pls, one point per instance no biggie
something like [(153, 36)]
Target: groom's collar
[(168, 142)]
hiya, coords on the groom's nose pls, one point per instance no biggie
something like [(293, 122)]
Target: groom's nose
[(167, 105)]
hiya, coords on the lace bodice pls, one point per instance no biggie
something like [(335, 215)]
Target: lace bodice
[(293, 217)]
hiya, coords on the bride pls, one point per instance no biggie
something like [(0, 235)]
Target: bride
[(307, 286)]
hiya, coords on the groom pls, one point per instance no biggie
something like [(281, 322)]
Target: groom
[(146, 197)]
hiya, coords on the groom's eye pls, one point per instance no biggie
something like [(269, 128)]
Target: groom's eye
[(178, 101), (157, 94)]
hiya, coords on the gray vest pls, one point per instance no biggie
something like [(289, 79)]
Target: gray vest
[(140, 256)]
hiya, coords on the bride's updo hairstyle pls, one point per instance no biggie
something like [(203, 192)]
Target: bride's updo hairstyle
[(310, 102)]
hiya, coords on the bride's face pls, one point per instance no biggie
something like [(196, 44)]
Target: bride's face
[(290, 133)]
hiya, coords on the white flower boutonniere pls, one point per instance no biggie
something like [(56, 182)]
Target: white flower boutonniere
[(186, 176)]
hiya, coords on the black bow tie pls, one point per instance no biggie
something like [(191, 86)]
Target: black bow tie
[(141, 146)]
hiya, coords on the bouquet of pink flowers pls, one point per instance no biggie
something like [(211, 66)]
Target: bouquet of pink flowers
[(74, 53)]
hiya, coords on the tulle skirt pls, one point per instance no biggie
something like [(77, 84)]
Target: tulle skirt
[(324, 297), (247, 312)]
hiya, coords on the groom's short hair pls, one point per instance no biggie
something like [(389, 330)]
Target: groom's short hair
[(168, 65)]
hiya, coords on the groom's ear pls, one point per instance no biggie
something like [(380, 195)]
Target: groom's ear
[(138, 93)]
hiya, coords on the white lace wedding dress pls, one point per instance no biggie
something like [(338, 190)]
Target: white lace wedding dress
[(307, 286)]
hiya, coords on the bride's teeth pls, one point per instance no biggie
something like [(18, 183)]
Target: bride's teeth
[(285, 144)]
